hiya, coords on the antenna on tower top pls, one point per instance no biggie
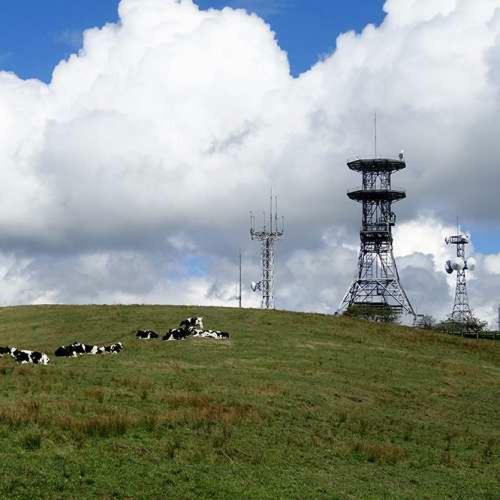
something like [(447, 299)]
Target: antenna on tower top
[(375, 131)]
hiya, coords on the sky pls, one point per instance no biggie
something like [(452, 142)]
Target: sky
[(35, 36), (137, 135)]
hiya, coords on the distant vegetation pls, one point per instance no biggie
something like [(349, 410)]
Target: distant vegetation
[(293, 406)]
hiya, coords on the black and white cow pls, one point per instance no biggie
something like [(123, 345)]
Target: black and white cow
[(78, 349), (24, 357), (65, 352), (71, 351), (211, 334), (4, 351), (188, 323), (176, 334), (113, 348), (146, 335), (91, 349)]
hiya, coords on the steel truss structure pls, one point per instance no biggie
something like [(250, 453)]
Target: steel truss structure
[(267, 236), (377, 283), (461, 310)]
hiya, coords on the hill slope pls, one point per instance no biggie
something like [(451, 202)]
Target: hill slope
[(293, 406)]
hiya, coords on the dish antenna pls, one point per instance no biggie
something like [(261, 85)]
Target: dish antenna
[(256, 285), (402, 155)]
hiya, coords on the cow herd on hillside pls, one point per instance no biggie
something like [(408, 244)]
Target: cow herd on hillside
[(190, 327)]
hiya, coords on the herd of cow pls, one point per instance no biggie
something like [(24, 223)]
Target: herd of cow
[(190, 327), (73, 350)]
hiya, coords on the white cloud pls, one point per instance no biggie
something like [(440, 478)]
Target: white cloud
[(152, 143)]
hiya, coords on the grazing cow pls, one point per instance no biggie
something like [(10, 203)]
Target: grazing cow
[(146, 334), (188, 323), (114, 348), (24, 357), (4, 350), (176, 334)]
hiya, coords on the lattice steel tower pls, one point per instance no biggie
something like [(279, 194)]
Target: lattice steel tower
[(461, 310), (267, 236), (377, 283)]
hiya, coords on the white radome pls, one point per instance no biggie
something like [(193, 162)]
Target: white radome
[(458, 264), (471, 264)]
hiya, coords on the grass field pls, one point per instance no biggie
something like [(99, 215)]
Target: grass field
[(293, 406)]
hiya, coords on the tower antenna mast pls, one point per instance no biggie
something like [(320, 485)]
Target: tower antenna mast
[(267, 237), (461, 315)]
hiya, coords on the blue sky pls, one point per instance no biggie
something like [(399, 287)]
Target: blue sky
[(36, 34)]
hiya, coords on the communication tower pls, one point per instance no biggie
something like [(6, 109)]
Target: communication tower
[(377, 283), (267, 236), (462, 313)]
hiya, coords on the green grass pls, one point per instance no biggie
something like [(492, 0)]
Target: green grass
[(293, 406)]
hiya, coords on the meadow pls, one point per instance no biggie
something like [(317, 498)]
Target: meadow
[(292, 406)]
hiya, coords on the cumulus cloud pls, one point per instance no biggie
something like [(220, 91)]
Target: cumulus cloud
[(134, 169)]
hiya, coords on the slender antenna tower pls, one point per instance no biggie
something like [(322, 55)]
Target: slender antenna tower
[(267, 236), (239, 294), (377, 283), (461, 313), (375, 130)]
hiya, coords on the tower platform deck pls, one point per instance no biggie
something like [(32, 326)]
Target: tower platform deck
[(360, 194), (376, 165)]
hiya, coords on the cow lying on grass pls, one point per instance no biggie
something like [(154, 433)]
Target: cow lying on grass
[(24, 357), (113, 348), (211, 334), (4, 351), (79, 349), (146, 335), (176, 334), (189, 323)]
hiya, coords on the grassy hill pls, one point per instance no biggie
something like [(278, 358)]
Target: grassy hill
[(293, 406)]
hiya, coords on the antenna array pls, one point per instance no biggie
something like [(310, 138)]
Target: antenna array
[(267, 236)]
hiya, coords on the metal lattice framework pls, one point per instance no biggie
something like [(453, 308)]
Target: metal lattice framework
[(377, 282), (267, 236), (461, 310)]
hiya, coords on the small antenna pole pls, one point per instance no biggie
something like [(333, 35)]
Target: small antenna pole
[(375, 131), (239, 295)]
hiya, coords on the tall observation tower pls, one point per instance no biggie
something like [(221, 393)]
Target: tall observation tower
[(377, 283), (267, 236)]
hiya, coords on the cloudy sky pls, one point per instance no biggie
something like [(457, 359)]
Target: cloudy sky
[(133, 147)]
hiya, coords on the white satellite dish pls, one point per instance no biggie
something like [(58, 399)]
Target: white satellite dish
[(448, 267), (253, 285)]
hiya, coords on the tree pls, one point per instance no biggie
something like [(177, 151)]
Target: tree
[(380, 313)]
